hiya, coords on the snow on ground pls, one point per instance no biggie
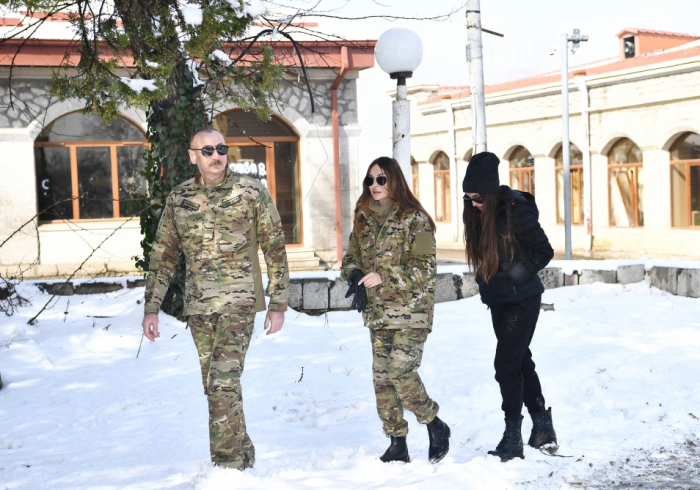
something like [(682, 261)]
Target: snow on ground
[(619, 366)]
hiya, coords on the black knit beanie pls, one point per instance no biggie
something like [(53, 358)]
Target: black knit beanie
[(482, 174)]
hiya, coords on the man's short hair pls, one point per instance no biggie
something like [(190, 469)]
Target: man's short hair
[(203, 130)]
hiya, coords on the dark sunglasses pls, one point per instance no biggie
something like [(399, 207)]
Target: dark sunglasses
[(369, 180), (208, 151), (478, 200)]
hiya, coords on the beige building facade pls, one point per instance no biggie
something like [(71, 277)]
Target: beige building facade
[(68, 180), (635, 153)]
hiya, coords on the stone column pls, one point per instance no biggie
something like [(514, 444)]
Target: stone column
[(18, 199), (599, 191), (657, 191)]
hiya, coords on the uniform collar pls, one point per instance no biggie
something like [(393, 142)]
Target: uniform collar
[(367, 212), (227, 183)]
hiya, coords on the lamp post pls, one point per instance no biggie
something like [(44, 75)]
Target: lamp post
[(399, 52), (575, 40)]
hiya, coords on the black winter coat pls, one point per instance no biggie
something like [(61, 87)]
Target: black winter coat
[(517, 277)]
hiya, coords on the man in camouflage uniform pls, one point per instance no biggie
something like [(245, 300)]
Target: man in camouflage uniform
[(217, 219)]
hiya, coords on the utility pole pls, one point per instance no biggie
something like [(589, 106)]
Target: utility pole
[(575, 40), (476, 75)]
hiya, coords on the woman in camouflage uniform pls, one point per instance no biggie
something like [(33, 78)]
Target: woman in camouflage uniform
[(392, 252)]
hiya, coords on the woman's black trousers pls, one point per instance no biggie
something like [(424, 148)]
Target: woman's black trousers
[(514, 325)]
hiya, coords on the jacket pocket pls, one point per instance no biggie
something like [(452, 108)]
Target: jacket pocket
[(232, 238), (518, 273), (232, 244), (188, 222)]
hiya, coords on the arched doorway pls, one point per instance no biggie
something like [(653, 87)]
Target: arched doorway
[(87, 171), (441, 178), (685, 181), (269, 152)]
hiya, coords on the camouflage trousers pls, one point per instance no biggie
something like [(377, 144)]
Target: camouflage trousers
[(222, 342), (397, 385)]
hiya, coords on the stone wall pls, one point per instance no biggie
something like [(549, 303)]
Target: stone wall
[(29, 101), (294, 95), (319, 295)]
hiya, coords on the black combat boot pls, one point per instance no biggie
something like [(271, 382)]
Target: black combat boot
[(439, 434), (397, 451), (542, 429), (511, 445)]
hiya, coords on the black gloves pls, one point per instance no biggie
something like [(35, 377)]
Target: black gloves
[(359, 302)]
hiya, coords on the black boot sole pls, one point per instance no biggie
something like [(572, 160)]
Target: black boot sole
[(537, 446), (505, 459), (407, 459), (447, 450)]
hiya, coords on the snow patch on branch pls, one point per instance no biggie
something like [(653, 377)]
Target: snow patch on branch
[(193, 16), (217, 54), (252, 8), (138, 85), (151, 64), (194, 68), (286, 20)]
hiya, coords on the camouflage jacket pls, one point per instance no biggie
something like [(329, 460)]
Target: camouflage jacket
[(402, 251), (218, 229)]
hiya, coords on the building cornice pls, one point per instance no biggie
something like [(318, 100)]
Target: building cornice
[(555, 114), (668, 68), (629, 70), (315, 54)]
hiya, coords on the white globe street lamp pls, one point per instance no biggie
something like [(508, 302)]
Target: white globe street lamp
[(399, 52)]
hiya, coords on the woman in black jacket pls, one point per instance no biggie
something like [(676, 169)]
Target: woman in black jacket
[(506, 247)]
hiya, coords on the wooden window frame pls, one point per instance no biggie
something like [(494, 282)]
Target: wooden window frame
[(688, 164), (114, 169), (415, 182), (446, 201), (579, 172), (635, 193), (271, 174), (524, 171)]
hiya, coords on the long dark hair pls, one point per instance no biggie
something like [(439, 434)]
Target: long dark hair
[(396, 188), (482, 236)]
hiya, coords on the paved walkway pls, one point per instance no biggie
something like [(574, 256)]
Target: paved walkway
[(677, 468)]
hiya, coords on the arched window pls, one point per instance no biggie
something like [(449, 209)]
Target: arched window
[(441, 177), (626, 184), (685, 181), (269, 152), (83, 168), (414, 178), (522, 170), (576, 166)]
